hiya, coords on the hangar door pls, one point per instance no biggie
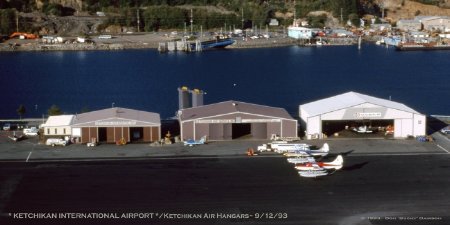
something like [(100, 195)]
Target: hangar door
[(230, 131)]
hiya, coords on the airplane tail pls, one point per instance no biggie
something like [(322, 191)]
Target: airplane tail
[(325, 148), (339, 162), (202, 140)]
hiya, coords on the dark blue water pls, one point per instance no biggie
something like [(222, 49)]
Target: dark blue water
[(282, 77)]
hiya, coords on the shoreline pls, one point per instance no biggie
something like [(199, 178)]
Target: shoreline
[(146, 41)]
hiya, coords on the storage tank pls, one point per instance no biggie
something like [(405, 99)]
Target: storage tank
[(197, 97), (183, 98)]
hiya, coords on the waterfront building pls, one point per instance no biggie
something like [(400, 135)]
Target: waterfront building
[(232, 119), (115, 124), (300, 32), (327, 116), (433, 23), (409, 25), (58, 126)]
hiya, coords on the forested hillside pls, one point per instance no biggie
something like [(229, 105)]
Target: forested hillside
[(154, 15)]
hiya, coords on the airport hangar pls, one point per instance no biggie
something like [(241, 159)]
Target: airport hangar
[(328, 115), (233, 119), (112, 124)]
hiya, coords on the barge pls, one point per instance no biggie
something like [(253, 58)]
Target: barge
[(422, 46)]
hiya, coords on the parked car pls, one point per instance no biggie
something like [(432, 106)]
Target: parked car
[(7, 126), (56, 141), (446, 130)]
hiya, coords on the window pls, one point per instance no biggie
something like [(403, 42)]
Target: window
[(56, 130), (48, 130), (64, 131)]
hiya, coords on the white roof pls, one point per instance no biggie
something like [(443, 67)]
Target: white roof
[(56, 121), (141, 118), (347, 100)]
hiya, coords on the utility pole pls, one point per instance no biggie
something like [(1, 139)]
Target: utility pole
[(138, 20), (192, 21), (242, 19), (17, 20), (295, 16)]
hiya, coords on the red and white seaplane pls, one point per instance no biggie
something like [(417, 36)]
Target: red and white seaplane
[(313, 165)]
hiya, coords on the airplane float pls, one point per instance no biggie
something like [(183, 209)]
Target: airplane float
[(192, 142), (313, 173), (297, 160)]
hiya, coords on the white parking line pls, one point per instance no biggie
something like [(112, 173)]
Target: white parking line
[(28, 157), (442, 148)]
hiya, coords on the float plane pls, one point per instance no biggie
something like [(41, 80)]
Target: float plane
[(307, 152), (192, 142), (313, 165)]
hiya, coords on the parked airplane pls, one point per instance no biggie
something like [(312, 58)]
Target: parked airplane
[(313, 165), (362, 130), (307, 152), (192, 142)]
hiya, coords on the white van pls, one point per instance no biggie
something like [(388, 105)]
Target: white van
[(33, 131), (56, 141), (446, 130)]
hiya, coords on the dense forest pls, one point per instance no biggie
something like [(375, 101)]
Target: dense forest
[(164, 14)]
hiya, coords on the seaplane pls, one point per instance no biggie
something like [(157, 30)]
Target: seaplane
[(362, 130), (308, 152), (337, 164), (192, 142)]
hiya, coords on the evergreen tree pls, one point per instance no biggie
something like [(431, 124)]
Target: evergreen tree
[(54, 111), (21, 111)]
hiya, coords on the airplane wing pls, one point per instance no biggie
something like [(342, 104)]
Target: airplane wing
[(316, 166)]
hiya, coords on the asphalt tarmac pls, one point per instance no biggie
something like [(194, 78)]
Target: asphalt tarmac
[(370, 189)]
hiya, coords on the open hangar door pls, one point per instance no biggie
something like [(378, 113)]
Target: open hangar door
[(357, 128), (249, 131)]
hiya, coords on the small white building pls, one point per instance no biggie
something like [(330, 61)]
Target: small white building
[(320, 116), (274, 22), (58, 126)]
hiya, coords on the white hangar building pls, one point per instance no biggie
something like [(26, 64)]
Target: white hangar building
[(331, 114)]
